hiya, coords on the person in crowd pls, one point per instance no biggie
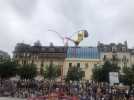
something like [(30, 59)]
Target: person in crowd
[(83, 91)]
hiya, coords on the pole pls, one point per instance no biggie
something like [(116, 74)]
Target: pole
[(62, 73)]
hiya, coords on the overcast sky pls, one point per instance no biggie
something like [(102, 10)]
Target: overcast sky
[(28, 20)]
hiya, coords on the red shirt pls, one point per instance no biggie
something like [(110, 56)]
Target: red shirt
[(74, 98)]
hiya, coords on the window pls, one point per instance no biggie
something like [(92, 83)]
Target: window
[(52, 49), (105, 49), (86, 65), (114, 49), (105, 57), (114, 57), (43, 49), (17, 61), (70, 64), (124, 59), (78, 64), (124, 49), (25, 62), (1, 57), (32, 61), (42, 63)]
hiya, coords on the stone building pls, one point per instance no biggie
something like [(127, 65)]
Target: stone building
[(84, 57), (131, 51), (116, 53), (4, 55), (39, 55)]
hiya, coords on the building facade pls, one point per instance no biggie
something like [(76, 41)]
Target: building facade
[(39, 55), (117, 53), (4, 55), (84, 57)]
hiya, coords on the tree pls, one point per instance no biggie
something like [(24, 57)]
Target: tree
[(128, 75), (27, 71), (51, 71), (101, 73), (74, 73), (42, 69), (8, 68), (97, 73)]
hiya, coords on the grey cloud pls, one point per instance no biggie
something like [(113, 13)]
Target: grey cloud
[(24, 8), (29, 20)]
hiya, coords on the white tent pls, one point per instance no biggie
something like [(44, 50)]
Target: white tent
[(16, 78), (39, 78)]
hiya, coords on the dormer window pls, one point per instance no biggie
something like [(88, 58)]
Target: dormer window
[(105, 49), (114, 49), (52, 49), (124, 49)]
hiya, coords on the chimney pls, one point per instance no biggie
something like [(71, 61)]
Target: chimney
[(98, 43), (51, 44), (125, 42)]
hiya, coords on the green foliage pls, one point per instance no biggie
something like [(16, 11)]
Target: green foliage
[(41, 69), (58, 70), (101, 73), (128, 76), (52, 71), (97, 73), (27, 71), (8, 68), (74, 74)]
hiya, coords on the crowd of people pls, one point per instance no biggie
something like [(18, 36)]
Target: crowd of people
[(83, 91)]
